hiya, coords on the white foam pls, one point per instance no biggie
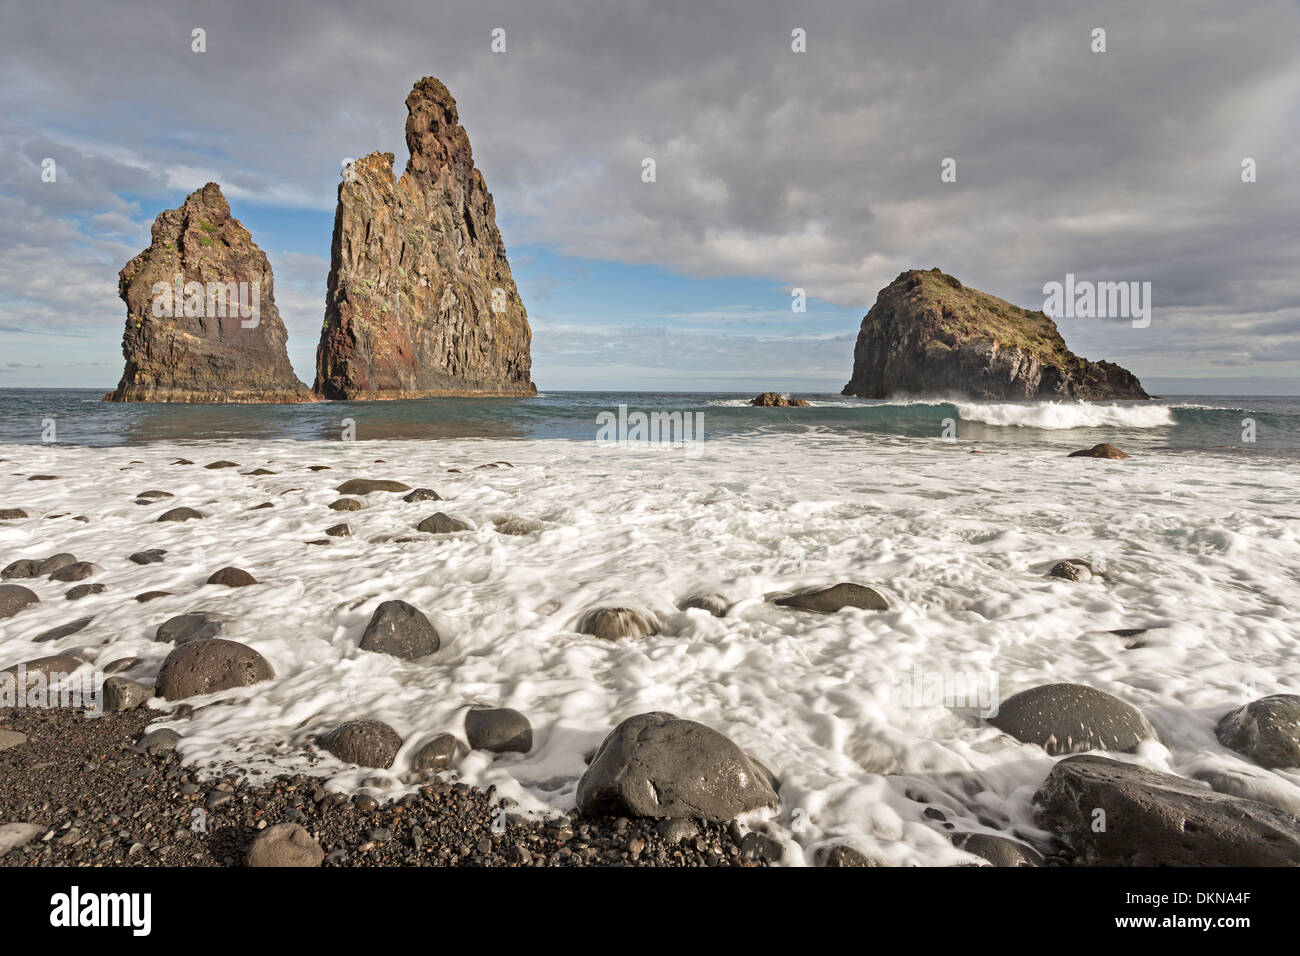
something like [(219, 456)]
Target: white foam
[(958, 543), (1060, 415)]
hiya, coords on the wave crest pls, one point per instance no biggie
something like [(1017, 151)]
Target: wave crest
[(1060, 415)]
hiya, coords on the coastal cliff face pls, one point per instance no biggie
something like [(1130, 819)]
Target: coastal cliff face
[(201, 323), (928, 334), (420, 300)]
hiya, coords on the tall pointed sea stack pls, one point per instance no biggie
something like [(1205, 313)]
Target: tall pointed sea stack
[(201, 321), (929, 335), (420, 300)]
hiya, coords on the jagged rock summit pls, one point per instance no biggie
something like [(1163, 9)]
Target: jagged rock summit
[(420, 300), (201, 322), (928, 334)]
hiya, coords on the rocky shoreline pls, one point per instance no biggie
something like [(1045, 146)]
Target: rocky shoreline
[(92, 795)]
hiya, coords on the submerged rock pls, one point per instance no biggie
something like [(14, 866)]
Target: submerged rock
[(420, 300), (612, 623), (927, 334), (184, 628), (659, 765), (442, 524), (15, 597), (835, 598), (1075, 569), (777, 400), (1157, 819), (204, 348), (364, 486), (1266, 730), (998, 850), (180, 514), (1070, 718), (1102, 450), (715, 604)]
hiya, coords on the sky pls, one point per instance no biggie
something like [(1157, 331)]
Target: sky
[(775, 170)]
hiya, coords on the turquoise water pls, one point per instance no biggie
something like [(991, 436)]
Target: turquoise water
[(1183, 423)]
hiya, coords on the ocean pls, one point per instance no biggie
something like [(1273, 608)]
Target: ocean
[(1199, 532)]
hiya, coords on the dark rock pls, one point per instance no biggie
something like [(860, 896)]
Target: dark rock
[(1070, 718), (232, 578), (422, 494), (284, 844), (155, 494), (674, 831), (179, 514), (364, 486), (1075, 569), (15, 597), (163, 740), (840, 855), (761, 848), (122, 664), (48, 666), (259, 471), (929, 335), (13, 514), (1000, 851), (63, 630), (442, 524), (152, 556), (401, 630), (221, 464), (339, 531), (777, 400), (346, 504), (367, 743), (22, 568), (658, 765), (1099, 451), (1157, 819), (147, 596), (84, 590), (613, 623), (835, 598), (420, 300), (1266, 730), (210, 665), (499, 730), (439, 753), (184, 628), (121, 693), (208, 356), (77, 571), (56, 562), (715, 604)]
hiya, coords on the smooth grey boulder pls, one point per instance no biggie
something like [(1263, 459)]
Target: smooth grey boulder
[(1071, 718), (715, 604), (613, 623), (367, 743), (498, 729), (438, 753), (63, 630), (401, 630), (180, 514), (208, 665), (835, 598), (76, 571), (442, 524), (15, 597), (1266, 730), (364, 486), (998, 850), (55, 562), (22, 568), (122, 693), (232, 577), (160, 741), (422, 494), (659, 765), (284, 844), (49, 667), (841, 855), (1157, 819), (85, 590), (184, 628)]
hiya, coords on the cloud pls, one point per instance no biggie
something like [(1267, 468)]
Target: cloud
[(818, 170)]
